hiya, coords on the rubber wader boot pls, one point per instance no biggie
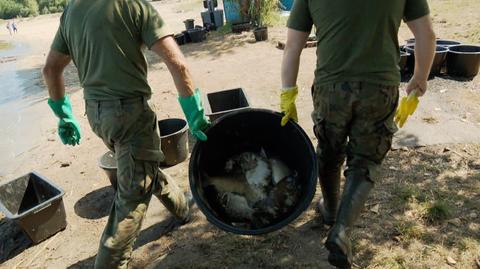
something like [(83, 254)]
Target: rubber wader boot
[(338, 243), (328, 205)]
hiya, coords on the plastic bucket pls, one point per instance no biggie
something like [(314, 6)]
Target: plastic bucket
[(252, 130), (173, 141), (189, 24), (463, 61), (36, 204), (287, 4), (108, 163), (220, 103)]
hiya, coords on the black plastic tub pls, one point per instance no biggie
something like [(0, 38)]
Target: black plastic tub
[(253, 130), (220, 103), (173, 141), (180, 39), (438, 60), (403, 61), (197, 34), (447, 43), (261, 34), (463, 61), (36, 204), (187, 36), (108, 163)]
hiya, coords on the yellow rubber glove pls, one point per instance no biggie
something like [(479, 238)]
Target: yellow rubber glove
[(287, 104), (407, 106)]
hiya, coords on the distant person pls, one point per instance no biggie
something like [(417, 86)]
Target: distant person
[(355, 96), (9, 27), (113, 73), (14, 27)]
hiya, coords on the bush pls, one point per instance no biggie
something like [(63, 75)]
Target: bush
[(26, 8)]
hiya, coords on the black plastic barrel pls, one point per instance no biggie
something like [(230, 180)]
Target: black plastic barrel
[(438, 60), (447, 43), (252, 130), (180, 39), (463, 61), (197, 34), (173, 141)]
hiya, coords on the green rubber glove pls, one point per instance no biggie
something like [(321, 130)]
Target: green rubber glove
[(193, 109), (287, 104), (68, 126)]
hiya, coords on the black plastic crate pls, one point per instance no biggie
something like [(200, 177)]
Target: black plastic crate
[(36, 204), (220, 103)]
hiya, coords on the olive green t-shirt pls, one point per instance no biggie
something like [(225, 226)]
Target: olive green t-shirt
[(105, 40), (357, 39)]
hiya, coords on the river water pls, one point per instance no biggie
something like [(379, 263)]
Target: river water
[(20, 89)]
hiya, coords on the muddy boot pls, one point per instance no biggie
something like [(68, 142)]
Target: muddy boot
[(328, 205), (338, 243)]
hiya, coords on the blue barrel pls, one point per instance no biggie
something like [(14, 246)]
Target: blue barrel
[(232, 11), (287, 4)]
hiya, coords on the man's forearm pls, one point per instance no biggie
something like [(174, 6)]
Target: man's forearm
[(55, 84), (290, 66), (291, 57), (424, 54), (176, 63)]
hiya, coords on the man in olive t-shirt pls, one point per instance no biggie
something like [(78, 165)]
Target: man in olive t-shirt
[(105, 40), (355, 95)]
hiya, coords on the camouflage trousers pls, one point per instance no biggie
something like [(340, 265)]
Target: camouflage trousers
[(353, 120), (129, 128)]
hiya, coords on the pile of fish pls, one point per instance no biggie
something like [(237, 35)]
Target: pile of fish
[(254, 191)]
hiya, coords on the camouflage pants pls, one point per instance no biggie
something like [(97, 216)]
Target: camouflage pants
[(353, 120), (129, 128)]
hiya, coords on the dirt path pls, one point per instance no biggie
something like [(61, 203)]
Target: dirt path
[(448, 114)]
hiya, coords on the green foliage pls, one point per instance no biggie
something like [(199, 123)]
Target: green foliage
[(26, 8), (439, 211), (262, 12)]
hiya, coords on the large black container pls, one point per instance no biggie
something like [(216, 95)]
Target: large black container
[(463, 61), (447, 43), (261, 34), (108, 162), (173, 141), (197, 34), (36, 204), (252, 130), (438, 60), (220, 103), (180, 39)]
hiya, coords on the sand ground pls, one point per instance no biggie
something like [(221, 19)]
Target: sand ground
[(448, 114)]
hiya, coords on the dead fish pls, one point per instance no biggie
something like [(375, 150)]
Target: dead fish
[(279, 170), (236, 206), (280, 200), (235, 184), (254, 166)]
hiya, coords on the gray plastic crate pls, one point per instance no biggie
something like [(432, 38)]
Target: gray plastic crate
[(36, 204), (220, 103)]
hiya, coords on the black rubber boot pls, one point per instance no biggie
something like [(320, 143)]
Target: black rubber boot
[(327, 206), (354, 196)]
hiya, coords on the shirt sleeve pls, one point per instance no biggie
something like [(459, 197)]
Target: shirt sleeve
[(59, 43), (415, 9), (152, 26), (300, 18)]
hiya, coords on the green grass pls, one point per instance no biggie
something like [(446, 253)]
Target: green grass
[(438, 211), (409, 230)]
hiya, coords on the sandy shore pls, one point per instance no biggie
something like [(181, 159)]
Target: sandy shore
[(448, 114)]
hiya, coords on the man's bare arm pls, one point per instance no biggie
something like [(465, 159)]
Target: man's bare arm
[(422, 29), (291, 57), (169, 51), (53, 74)]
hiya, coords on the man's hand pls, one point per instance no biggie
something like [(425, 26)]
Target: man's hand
[(68, 126), (420, 85), (287, 104), (193, 109)]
